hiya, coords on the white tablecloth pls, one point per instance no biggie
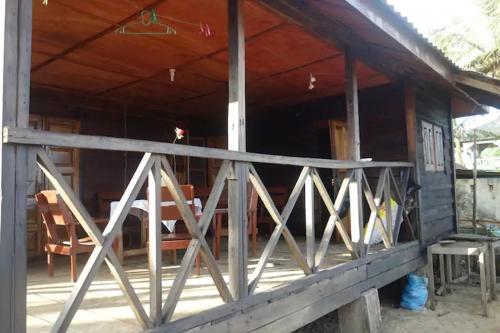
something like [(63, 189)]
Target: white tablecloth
[(140, 209)]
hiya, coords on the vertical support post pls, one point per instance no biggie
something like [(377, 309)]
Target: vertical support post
[(355, 186), (388, 209), (154, 246), (411, 138), (237, 184), (474, 184), (309, 208), (15, 62)]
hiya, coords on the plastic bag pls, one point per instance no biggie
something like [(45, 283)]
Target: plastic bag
[(415, 293)]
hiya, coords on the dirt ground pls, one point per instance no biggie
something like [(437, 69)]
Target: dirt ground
[(458, 312)]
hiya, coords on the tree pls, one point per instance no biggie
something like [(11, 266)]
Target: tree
[(468, 46)]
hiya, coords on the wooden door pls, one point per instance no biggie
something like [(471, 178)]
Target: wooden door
[(339, 148), (67, 160)]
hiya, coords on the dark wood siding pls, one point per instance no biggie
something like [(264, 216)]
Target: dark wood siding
[(437, 211)]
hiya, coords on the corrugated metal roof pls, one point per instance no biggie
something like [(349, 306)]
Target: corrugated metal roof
[(409, 25)]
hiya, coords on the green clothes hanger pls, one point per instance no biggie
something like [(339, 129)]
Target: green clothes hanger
[(149, 19)]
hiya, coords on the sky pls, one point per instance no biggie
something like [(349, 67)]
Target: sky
[(430, 15)]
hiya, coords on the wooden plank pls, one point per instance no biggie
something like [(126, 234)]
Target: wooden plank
[(280, 229), (292, 303), (33, 137), (227, 311), (354, 144), (352, 108), (309, 211), (154, 253), (194, 246), (322, 306), (375, 204), (334, 219), (388, 209), (98, 254), (401, 210), (281, 224), (194, 229), (15, 55), (237, 185)]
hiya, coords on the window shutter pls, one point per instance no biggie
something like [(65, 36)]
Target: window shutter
[(439, 148), (428, 146)]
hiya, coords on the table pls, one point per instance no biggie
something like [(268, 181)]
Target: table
[(140, 209), (462, 248), (493, 243)]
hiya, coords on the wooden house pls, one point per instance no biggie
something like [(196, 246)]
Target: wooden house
[(342, 102)]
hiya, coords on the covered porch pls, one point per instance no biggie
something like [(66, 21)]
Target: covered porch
[(271, 94)]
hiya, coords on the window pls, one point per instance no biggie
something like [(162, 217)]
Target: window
[(433, 146)]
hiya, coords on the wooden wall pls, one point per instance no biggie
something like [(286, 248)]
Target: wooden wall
[(437, 211), (104, 170)]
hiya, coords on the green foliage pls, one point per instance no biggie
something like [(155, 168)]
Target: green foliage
[(469, 48)]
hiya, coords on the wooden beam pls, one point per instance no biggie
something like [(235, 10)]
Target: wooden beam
[(154, 253), (352, 115), (15, 62), (309, 210), (40, 138), (488, 84), (237, 184), (306, 299), (410, 105)]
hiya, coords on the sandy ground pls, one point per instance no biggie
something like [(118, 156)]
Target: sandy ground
[(458, 312)]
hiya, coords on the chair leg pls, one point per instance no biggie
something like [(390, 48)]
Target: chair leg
[(50, 264), (74, 268)]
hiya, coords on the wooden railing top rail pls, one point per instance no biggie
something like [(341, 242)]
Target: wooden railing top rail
[(33, 137)]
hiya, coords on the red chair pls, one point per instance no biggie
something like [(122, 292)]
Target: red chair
[(56, 216), (180, 238)]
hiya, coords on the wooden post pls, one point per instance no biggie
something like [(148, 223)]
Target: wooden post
[(154, 250), (355, 186), (474, 183), (237, 183), (309, 208), (411, 138), (15, 55)]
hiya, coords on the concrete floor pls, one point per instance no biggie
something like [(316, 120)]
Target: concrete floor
[(104, 308)]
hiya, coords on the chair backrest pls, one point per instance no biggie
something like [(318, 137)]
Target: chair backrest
[(55, 213), (172, 212), (104, 200)]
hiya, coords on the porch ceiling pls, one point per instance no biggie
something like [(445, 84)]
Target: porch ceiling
[(75, 48)]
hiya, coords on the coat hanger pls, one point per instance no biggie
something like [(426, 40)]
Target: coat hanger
[(149, 19)]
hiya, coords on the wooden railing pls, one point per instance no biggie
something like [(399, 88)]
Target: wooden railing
[(155, 167)]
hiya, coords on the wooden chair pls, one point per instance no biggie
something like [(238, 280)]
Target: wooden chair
[(55, 215), (180, 238), (220, 231), (279, 195)]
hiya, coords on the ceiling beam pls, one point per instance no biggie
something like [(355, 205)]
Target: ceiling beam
[(489, 85)]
